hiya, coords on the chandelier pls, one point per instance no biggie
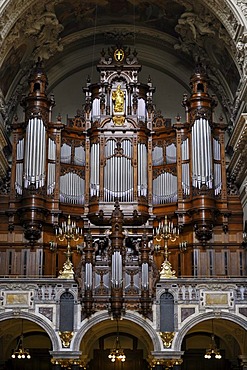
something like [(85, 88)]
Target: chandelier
[(212, 350), (20, 352), (166, 231), (117, 352), (68, 231)]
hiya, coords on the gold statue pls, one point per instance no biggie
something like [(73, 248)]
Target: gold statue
[(118, 98)]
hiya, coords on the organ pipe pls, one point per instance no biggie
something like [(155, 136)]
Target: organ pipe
[(118, 172), (79, 158), (72, 188), (157, 156), (185, 167), (117, 273), (165, 188), (171, 153), (65, 153), (142, 170), (141, 110), (35, 150), (144, 282), (201, 154), (88, 275), (19, 166), (51, 174), (217, 167), (94, 166)]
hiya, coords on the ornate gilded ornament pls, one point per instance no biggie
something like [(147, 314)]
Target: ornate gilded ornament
[(166, 362), (66, 337), (69, 362), (119, 55), (118, 120), (118, 100), (167, 338), (166, 271)]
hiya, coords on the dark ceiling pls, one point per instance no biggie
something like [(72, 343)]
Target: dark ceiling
[(60, 32)]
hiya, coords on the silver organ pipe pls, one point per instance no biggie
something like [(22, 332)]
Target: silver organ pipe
[(35, 150), (165, 188), (141, 110), (185, 167), (116, 273), (19, 166), (217, 167), (51, 175), (94, 166), (201, 159), (144, 282), (171, 154), (65, 153), (79, 158), (72, 188), (118, 172), (96, 109), (88, 275), (142, 170), (157, 156)]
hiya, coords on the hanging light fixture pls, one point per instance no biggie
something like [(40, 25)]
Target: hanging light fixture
[(168, 232), (212, 350), (20, 352), (117, 352)]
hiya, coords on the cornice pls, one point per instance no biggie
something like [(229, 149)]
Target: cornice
[(231, 13), (239, 133), (237, 168)]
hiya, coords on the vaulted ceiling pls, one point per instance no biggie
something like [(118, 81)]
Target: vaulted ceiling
[(170, 36)]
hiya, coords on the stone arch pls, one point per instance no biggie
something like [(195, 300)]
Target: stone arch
[(144, 324), (37, 320), (177, 343)]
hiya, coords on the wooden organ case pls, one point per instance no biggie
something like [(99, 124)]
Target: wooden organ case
[(118, 168)]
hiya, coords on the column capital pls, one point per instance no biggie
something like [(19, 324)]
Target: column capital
[(72, 363), (160, 359)]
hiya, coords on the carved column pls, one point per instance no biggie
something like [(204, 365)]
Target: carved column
[(145, 296), (116, 252), (88, 295)]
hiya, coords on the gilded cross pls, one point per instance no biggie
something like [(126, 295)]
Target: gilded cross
[(119, 55)]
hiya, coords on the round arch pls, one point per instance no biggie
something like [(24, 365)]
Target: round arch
[(37, 320), (90, 330), (203, 317)]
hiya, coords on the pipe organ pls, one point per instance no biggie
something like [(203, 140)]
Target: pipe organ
[(202, 159), (202, 168), (19, 166), (185, 167), (118, 168), (51, 170), (118, 171), (35, 153), (119, 124), (164, 164)]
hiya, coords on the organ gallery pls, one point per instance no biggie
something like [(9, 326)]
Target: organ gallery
[(123, 209)]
